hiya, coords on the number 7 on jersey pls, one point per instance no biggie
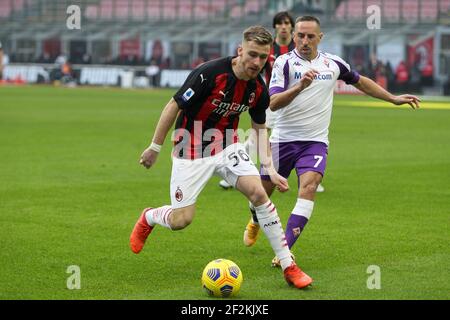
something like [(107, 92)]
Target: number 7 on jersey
[(319, 160)]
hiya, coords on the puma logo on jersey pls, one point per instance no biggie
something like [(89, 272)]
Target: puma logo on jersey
[(224, 94)]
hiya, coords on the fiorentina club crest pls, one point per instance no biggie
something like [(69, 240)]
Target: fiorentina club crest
[(179, 194), (296, 232), (251, 98), (327, 63)]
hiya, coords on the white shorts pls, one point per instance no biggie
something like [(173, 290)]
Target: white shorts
[(189, 177)]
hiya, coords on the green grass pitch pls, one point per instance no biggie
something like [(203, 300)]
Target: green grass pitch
[(71, 190)]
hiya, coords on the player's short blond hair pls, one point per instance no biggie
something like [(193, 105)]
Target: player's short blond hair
[(258, 34)]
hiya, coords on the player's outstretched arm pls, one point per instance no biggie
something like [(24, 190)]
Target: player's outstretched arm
[(372, 89), (265, 157), (166, 121)]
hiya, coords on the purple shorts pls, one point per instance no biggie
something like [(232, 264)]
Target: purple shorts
[(302, 155)]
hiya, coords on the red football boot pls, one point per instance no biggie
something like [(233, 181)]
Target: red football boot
[(140, 233)]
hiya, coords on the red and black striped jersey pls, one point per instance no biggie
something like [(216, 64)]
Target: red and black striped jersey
[(275, 52), (211, 101)]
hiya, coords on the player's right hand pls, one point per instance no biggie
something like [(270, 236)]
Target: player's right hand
[(307, 79), (148, 157), (413, 101), (280, 182)]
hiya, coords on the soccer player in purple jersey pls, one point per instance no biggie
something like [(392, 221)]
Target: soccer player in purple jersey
[(207, 109), (301, 91), (283, 23)]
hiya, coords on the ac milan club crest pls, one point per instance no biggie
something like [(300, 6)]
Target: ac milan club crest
[(179, 194), (251, 98)]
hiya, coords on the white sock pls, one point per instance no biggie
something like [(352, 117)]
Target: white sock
[(304, 208), (270, 223), (159, 216)]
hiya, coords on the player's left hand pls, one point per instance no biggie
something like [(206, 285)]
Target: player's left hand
[(280, 182), (413, 101)]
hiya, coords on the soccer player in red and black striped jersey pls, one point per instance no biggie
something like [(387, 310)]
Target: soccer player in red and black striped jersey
[(283, 23), (214, 97), (207, 108)]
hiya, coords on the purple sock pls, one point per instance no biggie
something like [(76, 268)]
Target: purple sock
[(294, 227)]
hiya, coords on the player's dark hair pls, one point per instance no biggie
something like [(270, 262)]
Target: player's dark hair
[(280, 16), (259, 34), (308, 18)]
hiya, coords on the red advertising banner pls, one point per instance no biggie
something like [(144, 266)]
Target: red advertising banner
[(51, 47), (420, 53), (131, 47)]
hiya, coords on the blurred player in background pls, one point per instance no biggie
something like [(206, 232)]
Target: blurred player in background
[(207, 109), (301, 92), (283, 23)]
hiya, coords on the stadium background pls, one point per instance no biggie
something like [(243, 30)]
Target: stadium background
[(78, 106), (149, 42)]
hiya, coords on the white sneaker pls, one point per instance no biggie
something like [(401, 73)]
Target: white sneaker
[(225, 184), (320, 188)]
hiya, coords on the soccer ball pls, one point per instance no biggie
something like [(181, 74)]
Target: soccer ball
[(222, 278)]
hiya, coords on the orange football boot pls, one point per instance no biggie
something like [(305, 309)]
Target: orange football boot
[(251, 233), (140, 233), (296, 277)]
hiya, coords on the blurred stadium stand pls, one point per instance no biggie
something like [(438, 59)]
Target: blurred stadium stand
[(408, 11), (179, 34)]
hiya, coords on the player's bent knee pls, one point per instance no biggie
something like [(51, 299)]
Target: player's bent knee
[(258, 196), (309, 189)]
